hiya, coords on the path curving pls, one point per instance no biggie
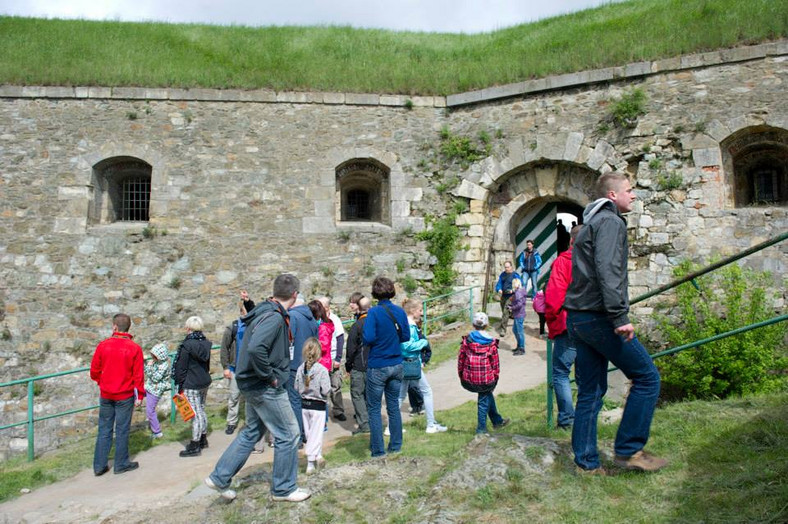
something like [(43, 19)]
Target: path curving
[(163, 477)]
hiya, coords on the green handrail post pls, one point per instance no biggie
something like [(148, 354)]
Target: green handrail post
[(549, 358), (470, 305), (31, 452), (424, 322)]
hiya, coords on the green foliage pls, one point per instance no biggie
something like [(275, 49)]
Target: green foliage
[(131, 115), (344, 59), (409, 284), (343, 236), (149, 232), (443, 240), (175, 283), (654, 164), (678, 129), (5, 334), (461, 149), (327, 271), (368, 269), (626, 110), (750, 362), (668, 182), (700, 127), (401, 265), (408, 104)]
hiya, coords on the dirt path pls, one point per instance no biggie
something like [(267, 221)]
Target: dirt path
[(164, 477)]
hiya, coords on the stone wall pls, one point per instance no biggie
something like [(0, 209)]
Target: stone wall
[(244, 187)]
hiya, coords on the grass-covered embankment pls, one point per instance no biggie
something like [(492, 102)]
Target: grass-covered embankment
[(68, 52)]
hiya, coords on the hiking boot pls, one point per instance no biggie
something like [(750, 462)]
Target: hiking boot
[(230, 429), (640, 461), (503, 424), (228, 494), (203, 441), (131, 466), (101, 471), (192, 449), (299, 495), (600, 471), (341, 417), (518, 351)]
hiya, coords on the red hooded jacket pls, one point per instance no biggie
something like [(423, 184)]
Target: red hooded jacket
[(560, 277), (117, 368)]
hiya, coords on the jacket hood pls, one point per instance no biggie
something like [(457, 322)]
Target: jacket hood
[(258, 309), (301, 311), (597, 205), (480, 337), (160, 351)]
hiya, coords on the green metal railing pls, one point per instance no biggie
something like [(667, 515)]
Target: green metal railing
[(424, 303), (32, 419), (691, 279)]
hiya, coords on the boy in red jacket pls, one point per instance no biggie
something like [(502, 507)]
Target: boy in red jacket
[(117, 369)]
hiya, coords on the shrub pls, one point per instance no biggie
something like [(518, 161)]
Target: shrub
[(669, 182), (409, 284), (629, 107), (750, 362), (443, 240)]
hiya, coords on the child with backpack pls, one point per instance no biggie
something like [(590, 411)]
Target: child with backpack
[(478, 367), (313, 384), (539, 308), (157, 373)]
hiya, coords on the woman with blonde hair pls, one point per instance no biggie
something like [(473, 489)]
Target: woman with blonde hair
[(313, 384), (411, 350), (191, 372)]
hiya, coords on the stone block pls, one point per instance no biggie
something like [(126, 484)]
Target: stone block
[(411, 194), (128, 93), (423, 101), (637, 69), (477, 206), (257, 95), (646, 221), (706, 157), (439, 101), (392, 100), (320, 193), (476, 231), (415, 224), (333, 98), (291, 97), (11, 91), (600, 154), (72, 192), (70, 226), (469, 219), (315, 98), (400, 208), (325, 208), (362, 99), (156, 94), (312, 225), (59, 92), (463, 98), (470, 190), (658, 238), (572, 146), (717, 130)]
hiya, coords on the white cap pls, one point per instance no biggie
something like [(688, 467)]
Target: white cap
[(480, 319)]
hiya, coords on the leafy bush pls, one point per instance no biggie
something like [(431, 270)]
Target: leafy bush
[(750, 362), (629, 107), (668, 182), (443, 240), (409, 284)]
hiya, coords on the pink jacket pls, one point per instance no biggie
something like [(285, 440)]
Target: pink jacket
[(539, 302), (325, 332)]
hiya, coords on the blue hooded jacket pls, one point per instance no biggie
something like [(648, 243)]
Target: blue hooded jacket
[(302, 326)]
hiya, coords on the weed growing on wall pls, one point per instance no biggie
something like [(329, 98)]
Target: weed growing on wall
[(751, 362), (626, 110), (443, 240), (668, 182)]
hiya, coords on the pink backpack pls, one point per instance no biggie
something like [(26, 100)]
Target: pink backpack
[(539, 302)]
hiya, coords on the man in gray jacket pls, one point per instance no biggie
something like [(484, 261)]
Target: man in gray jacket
[(262, 371), (597, 304)]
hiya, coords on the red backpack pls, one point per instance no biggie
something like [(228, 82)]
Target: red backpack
[(478, 366)]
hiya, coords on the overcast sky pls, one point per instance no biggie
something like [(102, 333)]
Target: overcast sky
[(454, 16)]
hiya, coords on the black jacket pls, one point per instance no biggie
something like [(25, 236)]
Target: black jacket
[(192, 364), (599, 264), (264, 359), (357, 353), (227, 351)]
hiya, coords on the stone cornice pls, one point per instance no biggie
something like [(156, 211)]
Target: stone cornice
[(550, 83)]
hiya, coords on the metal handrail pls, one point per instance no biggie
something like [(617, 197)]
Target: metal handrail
[(32, 419), (425, 319), (688, 278)]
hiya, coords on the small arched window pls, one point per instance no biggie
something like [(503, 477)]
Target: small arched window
[(363, 191), (757, 158), (121, 191)]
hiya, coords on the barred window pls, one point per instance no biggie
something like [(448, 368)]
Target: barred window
[(756, 160), (358, 205), (363, 191), (121, 191)]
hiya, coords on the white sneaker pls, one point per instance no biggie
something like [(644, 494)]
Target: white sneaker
[(436, 428), (387, 433), (228, 493), (310, 468), (299, 495)]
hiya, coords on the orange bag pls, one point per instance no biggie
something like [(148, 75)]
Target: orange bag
[(184, 408)]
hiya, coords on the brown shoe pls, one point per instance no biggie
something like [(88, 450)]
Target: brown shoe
[(640, 461), (600, 471)]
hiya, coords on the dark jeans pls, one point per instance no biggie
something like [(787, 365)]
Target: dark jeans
[(597, 344), (386, 380), (114, 416), (295, 402), (486, 407)]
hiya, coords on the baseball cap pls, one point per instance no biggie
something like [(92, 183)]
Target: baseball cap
[(480, 319)]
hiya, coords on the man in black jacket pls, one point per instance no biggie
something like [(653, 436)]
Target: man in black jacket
[(356, 365), (262, 371), (597, 304)]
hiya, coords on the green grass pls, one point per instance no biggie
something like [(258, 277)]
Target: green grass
[(335, 58)]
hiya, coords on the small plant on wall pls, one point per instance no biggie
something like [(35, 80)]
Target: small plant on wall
[(626, 110)]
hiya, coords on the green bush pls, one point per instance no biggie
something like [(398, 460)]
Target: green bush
[(443, 240), (629, 107), (750, 362)]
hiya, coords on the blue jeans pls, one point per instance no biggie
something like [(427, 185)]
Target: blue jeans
[(295, 402), (114, 416), (533, 277), (268, 408), (386, 380), (519, 333), (563, 357), (597, 344), (486, 407)]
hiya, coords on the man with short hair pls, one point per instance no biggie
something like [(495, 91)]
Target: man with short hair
[(117, 368), (335, 373), (530, 262), (505, 289), (262, 370), (563, 351), (597, 304)]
